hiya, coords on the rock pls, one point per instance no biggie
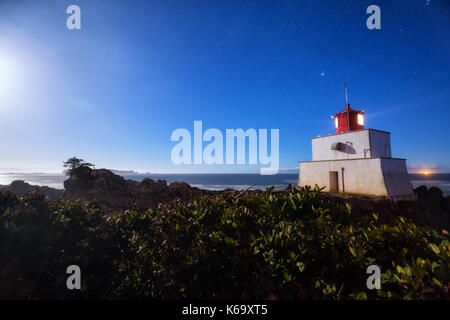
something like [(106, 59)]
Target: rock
[(435, 193), (114, 192), (21, 187), (420, 191), (434, 208), (431, 209), (431, 195)]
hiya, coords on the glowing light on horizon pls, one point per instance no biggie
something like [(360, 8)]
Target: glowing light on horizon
[(426, 172)]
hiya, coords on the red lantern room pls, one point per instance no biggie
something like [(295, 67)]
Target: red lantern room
[(349, 120)]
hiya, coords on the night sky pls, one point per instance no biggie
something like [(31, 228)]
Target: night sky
[(113, 92)]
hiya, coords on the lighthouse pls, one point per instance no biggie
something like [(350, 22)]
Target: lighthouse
[(356, 160)]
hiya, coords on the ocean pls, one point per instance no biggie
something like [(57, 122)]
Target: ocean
[(218, 181)]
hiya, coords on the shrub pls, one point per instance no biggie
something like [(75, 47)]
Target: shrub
[(293, 244)]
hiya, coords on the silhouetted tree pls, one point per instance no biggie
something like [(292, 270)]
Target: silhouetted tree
[(75, 165)]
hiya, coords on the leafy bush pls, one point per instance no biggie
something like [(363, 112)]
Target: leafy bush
[(293, 244)]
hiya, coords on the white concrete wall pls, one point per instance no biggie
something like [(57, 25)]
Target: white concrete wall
[(397, 179), (375, 176), (366, 143), (360, 175), (356, 142), (380, 144)]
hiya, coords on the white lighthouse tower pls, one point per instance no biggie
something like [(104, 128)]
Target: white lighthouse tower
[(356, 160)]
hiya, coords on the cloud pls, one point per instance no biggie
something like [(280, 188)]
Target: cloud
[(412, 168)]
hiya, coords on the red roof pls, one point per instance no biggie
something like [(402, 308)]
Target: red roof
[(345, 111)]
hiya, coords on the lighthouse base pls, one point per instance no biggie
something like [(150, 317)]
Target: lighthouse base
[(370, 176)]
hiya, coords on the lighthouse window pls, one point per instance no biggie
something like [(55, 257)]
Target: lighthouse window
[(336, 122), (360, 119)]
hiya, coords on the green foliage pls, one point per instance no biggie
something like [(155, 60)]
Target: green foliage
[(293, 244), (76, 166)]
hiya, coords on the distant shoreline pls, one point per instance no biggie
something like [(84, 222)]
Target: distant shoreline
[(210, 181)]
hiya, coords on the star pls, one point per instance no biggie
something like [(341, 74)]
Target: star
[(322, 74)]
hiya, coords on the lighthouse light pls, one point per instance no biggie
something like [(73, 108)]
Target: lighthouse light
[(360, 119), (336, 122)]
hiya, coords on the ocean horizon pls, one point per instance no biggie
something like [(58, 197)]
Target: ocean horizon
[(211, 181)]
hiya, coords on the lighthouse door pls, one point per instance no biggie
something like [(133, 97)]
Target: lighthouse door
[(334, 186)]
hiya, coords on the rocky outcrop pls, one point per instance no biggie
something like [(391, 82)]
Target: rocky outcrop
[(434, 208), (431, 209), (20, 187), (113, 192)]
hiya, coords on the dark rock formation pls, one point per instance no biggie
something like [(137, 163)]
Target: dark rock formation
[(434, 208), (113, 192), (431, 208), (22, 188)]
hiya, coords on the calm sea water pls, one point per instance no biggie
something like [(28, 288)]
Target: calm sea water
[(218, 181)]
